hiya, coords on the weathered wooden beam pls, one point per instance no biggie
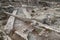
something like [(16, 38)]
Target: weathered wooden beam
[(10, 22)]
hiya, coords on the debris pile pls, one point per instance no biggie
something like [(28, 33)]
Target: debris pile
[(29, 20)]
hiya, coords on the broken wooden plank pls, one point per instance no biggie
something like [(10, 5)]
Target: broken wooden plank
[(9, 25)]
